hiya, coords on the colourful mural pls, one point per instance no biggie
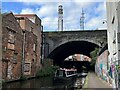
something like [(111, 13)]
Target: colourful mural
[(102, 68)]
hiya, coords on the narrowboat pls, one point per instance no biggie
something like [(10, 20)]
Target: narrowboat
[(63, 74)]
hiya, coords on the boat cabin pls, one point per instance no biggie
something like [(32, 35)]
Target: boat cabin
[(63, 72)]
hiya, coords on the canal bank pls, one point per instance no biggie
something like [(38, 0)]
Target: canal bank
[(31, 83), (46, 83), (93, 81), (44, 72), (42, 79), (43, 83)]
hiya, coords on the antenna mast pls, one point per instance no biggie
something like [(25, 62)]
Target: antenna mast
[(60, 18), (82, 18)]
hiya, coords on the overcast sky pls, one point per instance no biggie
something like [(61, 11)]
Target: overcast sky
[(95, 12)]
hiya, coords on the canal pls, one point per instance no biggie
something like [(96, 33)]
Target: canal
[(47, 83)]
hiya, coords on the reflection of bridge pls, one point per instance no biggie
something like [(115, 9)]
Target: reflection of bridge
[(60, 45)]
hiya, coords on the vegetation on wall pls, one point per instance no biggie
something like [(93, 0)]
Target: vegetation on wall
[(94, 55), (23, 78), (47, 71)]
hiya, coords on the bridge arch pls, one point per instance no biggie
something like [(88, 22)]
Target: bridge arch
[(69, 48), (96, 42), (53, 40)]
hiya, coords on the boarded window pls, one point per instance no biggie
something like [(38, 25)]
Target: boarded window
[(11, 38), (11, 34), (27, 67), (11, 46)]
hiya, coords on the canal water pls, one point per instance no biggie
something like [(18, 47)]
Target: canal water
[(47, 83)]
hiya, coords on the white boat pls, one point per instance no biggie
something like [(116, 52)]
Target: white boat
[(64, 73), (83, 74)]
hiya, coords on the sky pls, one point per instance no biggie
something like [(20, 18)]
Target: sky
[(47, 11)]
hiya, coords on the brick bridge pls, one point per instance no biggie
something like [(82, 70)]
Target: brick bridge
[(60, 45)]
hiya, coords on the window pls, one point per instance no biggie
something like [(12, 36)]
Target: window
[(11, 46), (11, 37), (114, 33), (118, 34), (31, 29), (27, 67), (33, 60), (60, 73), (34, 46), (114, 37), (15, 58), (113, 20), (4, 49)]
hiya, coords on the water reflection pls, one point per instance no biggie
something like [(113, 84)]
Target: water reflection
[(79, 83), (45, 84)]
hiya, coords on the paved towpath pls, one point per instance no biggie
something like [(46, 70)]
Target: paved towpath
[(93, 81)]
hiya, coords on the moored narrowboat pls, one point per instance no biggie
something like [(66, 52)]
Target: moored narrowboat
[(63, 73)]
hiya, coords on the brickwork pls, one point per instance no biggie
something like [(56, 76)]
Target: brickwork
[(30, 53), (21, 46), (32, 24), (11, 48), (56, 39)]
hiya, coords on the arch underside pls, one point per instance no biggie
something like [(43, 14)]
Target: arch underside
[(74, 47)]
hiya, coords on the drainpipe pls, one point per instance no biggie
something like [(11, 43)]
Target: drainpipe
[(42, 40), (1, 50), (48, 48), (23, 54), (46, 45)]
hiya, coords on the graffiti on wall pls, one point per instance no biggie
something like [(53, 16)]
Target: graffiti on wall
[(102, 69)]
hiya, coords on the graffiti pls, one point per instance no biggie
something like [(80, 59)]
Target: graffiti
[(110, 72), (113, 68), (102, 69)]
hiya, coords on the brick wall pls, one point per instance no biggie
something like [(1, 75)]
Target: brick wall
[(30, 54), (32, 23), (11, 47), (21, 55)]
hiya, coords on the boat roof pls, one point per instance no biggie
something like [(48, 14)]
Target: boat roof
[(72, 69)]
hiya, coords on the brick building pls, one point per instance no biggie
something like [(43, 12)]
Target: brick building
[(31, 25), (21, 46), (12, 39), (30, 61)]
